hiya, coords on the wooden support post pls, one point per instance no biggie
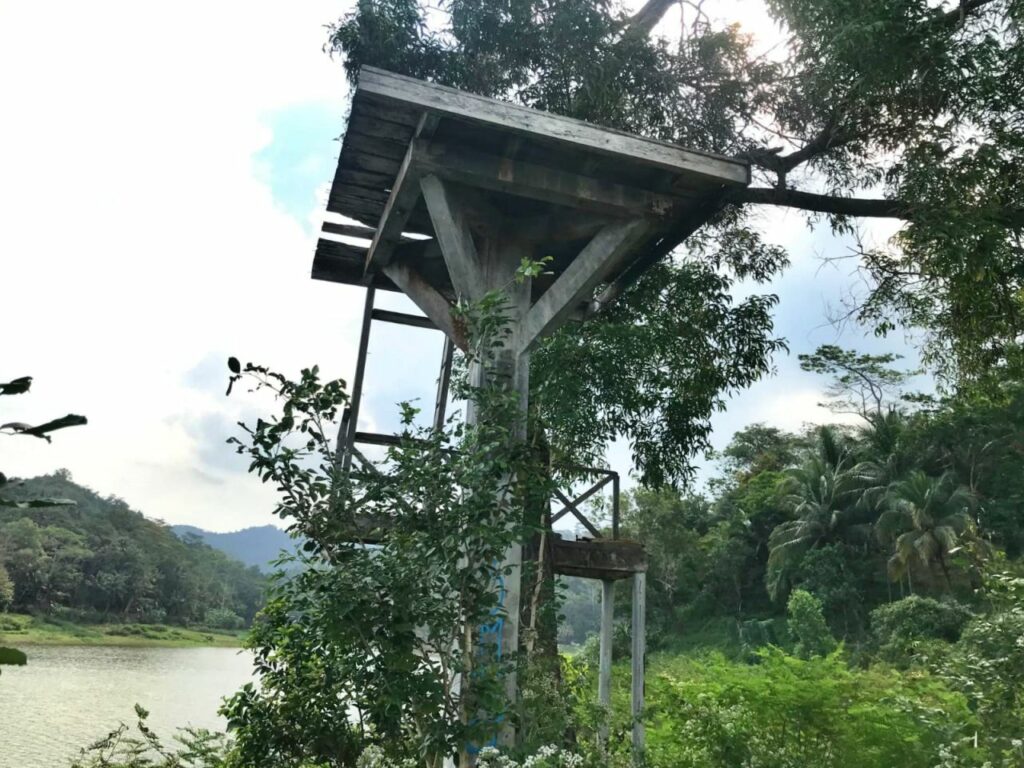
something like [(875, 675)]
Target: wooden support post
[(444, 379), (493, 266), (639, 650), (426, 297), (457, 247), (604, 674), (579, 279), (350, 422)]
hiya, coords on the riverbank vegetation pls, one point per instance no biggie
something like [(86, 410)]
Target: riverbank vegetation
[(23, 630), (96, 561)]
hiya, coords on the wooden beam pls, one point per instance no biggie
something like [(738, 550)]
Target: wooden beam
[(343, 263), (656, 251), (404, 194), (396, 213), (538, 182), (579, 279), (605, 559), (550, 127), (573, 505), (570, 506), (350, 421), (559, 227), (427, 298), (349, 230), (452, 230), (403, 318)]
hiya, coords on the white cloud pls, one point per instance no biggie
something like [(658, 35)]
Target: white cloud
[(137, 240)]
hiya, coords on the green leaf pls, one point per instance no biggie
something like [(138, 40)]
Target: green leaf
[(13, 657)]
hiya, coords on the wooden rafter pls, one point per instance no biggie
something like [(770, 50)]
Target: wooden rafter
[(454, 237), (579, 279), (572, 190)]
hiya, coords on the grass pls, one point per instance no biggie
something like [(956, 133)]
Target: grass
[(20, 629)]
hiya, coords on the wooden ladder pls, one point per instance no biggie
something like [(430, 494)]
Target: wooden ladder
[(349, 435)]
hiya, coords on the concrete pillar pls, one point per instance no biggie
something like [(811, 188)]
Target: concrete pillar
[(604, 674), (639, 650)]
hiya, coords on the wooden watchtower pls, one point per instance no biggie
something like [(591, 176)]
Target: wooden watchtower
[(484, 184)]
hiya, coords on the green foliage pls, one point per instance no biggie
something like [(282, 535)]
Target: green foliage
[(143, 748), (927, 519), (12, 656), (101, 560), (822, 493), (6, 589), (223, 618), (835, 574), (786, 712), (897, 626), (760, 448), (377, 640), (654, 368), (861, 384), (807, 625)]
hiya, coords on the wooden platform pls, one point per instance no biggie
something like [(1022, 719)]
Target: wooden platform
[(604, 559)]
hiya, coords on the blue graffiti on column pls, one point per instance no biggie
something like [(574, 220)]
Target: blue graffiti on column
[(490, 639)]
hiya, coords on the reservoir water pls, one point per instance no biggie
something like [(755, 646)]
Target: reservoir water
[(68, 697)]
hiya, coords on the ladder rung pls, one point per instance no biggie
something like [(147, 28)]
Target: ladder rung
[(417, 321), (375, 438)]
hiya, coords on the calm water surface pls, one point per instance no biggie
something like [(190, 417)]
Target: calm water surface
[(68, 697)]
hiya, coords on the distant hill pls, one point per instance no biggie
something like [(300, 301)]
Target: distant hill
[(256, 546), (101, 559)]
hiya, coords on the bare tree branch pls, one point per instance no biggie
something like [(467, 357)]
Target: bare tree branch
[(873, 208), (647, 18), (810, 201)]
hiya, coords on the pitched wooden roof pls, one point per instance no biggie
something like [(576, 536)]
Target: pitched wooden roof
[(530, 161)]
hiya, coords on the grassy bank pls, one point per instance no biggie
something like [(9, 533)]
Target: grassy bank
[(18, 629)]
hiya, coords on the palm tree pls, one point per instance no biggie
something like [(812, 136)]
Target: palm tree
[(823, 494), (887, 460), (926, 518)]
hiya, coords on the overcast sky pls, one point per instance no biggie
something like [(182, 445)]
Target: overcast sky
[(163, 172)]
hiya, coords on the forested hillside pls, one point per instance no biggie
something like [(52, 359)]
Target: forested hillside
[(922, 497), (100, 559)]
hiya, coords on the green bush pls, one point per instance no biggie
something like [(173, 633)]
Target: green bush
[(807, 625), (987, 664), (6, 589), (902, 629), (223, 618), (785, 712)]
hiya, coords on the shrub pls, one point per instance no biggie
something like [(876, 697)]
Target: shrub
[(902, 628), (807, 625), (6, 589), (988, 665), (785, 712), (223, 618)]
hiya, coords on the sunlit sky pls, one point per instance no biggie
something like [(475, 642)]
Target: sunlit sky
[(163, 172)]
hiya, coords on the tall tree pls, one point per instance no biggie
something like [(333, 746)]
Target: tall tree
[(823, 493), (900, 109), (926, 521)]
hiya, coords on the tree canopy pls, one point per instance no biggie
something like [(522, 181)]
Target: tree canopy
[(899, 109)]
